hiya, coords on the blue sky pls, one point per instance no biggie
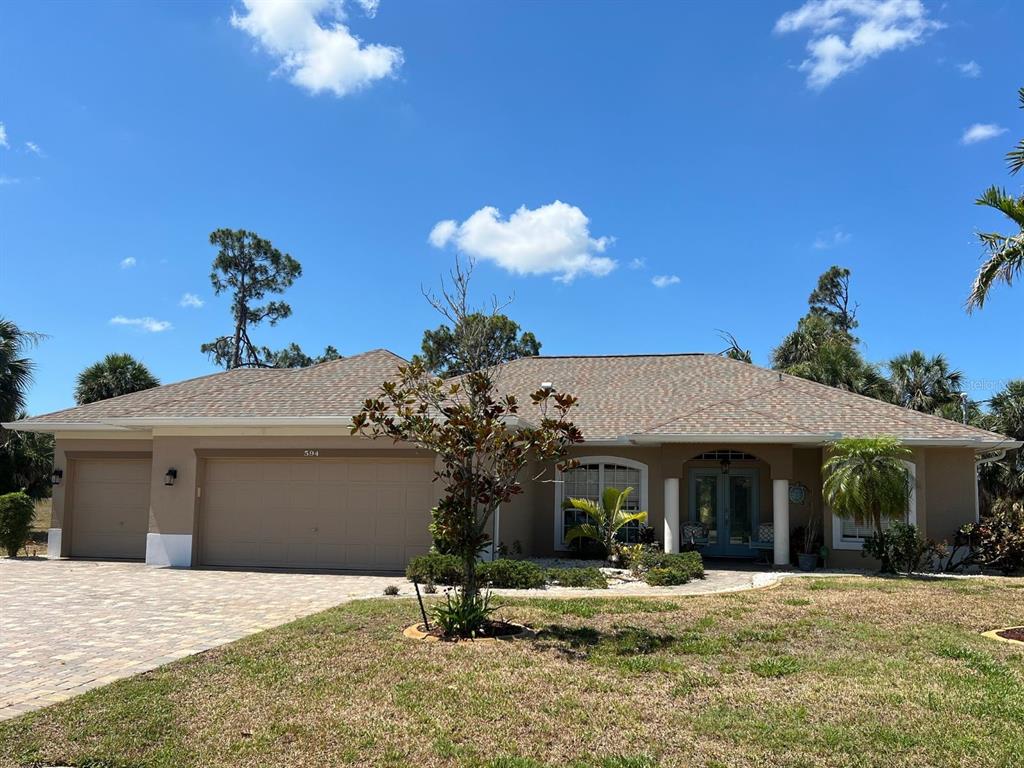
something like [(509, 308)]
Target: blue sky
[(733, 150)]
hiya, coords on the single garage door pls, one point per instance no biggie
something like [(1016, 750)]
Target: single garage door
[(351, 513), (110, 508)]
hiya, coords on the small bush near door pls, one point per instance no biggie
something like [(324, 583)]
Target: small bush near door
[(16, 512), (662, 569)]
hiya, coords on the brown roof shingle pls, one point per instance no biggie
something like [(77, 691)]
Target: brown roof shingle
[(647, 397)]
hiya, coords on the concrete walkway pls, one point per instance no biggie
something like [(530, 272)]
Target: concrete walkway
[(70, 625)]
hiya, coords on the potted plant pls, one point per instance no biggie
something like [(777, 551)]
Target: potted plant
[(807, 558)]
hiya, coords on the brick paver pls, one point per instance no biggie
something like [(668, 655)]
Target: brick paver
[(69, 625)]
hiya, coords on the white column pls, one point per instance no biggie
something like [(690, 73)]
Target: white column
[(671, 514), (780, 508)]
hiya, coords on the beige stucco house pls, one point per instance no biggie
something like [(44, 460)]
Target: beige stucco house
[(256, 468)]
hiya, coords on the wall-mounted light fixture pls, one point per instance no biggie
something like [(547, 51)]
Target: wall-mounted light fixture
[(57, 476), (725, 466), (171, 476)]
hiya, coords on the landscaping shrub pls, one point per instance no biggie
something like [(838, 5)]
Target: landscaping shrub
[(459, 617), (512, 574), (666, 577), (902, 549), (435, 568), (16, 512), (391, 590), (688, 563), (578, 577), (997, 541)]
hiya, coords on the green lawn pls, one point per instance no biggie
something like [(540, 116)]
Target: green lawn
[(819, 672)]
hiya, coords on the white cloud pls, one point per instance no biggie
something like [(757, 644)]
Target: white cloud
[(148, 324), (637, 263), (369, 7), (552, 239), (663, 281), (971, 69), (981, 132), (32, 147), (315, 48), (191, 300), (3, 136), (128, 262), (871, 28), (832, 239), (8, 180)]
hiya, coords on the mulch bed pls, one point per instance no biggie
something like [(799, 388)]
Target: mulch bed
[(1013, 633), (493, 630)]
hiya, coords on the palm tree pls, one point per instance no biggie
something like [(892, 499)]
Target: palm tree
[(1005, 260), (865, 477), (114, 375), (15, 369), (606, 519), (923, 384)]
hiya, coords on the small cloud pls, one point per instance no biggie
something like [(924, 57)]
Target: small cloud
[(552, 239), (8, 180), (971, 69), (844, 35), (32, 147), (638, 263), (148, 324), (663, 281), (833, 239), (128, 262), (191, 300), (443, 232), (981, 132), (314, 46), (3, 136), (369, 7)]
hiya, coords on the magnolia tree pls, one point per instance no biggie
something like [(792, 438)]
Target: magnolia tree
[(482, 444)]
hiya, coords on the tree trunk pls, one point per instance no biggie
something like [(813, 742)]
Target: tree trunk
[(876, 520), (240, 320)]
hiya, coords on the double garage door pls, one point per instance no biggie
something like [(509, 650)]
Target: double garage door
[(110, 508), (351, 513)]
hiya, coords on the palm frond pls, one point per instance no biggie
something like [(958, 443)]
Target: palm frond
[(583, 531)]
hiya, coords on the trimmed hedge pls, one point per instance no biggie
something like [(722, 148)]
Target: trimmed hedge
[(435, 568), (662, 569), (578, 577), (504, 574), (512, 574)]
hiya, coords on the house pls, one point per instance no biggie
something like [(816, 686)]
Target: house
[(257, 468)]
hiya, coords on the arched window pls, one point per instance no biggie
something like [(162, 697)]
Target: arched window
[(850, 534), (589, 480)]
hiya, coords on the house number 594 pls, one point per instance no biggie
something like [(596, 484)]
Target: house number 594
[(311, 452)]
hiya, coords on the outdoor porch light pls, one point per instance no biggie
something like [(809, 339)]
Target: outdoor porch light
[(725, 466), (171, 476), (57, 476)]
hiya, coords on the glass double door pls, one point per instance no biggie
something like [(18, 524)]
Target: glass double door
[(725, 506)]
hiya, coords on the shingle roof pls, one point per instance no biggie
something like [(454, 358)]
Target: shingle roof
[(335, 388), (648, 397), (673, 396)]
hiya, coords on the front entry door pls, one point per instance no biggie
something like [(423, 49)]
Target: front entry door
[(725, 504)]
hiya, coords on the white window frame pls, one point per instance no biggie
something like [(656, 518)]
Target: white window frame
[(839, 542), (601, 461)]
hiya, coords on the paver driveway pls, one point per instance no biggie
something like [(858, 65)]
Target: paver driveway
[(69, 625)]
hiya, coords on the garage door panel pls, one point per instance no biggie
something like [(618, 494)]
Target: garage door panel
[(319, 513), (110, 508)]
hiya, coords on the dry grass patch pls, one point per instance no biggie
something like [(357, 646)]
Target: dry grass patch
[(839, 672)]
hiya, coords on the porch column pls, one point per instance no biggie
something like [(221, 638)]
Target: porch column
[(780, 508), (671, 514)]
